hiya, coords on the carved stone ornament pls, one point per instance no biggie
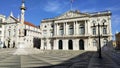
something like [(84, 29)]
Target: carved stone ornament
[(70, 14)]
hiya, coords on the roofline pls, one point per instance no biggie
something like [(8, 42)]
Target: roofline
[(94, 14)]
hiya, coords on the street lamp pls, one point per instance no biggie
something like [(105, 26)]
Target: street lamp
[(99, 41), (99, 50)]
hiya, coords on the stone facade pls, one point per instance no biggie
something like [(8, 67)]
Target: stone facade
[(74, 30), (2, 19), (19, 33), (117, 37), (13, 35)]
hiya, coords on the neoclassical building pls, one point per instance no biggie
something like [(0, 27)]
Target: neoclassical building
[(2, 19), (74, 30)]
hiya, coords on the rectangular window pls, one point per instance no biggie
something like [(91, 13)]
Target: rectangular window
[(44, 32), (82, 31), (0, 25), (0, 32), (94, 31), (25, 33), (71, 31), (0, 20), (104, 30), (61, 32)]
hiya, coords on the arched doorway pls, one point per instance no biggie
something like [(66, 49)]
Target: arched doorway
[(81, 44), (60, 44), (70, 45)]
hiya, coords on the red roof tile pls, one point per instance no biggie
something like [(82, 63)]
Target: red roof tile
[(29, 24)]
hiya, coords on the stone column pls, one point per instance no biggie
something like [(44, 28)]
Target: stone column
[(74, 28), (77, 26), (86, 27), (54, 29), (64, 28), (57, 29)]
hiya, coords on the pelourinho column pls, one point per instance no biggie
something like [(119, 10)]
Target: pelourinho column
[(21, 26)]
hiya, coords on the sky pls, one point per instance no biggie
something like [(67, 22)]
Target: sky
[(42, 9)]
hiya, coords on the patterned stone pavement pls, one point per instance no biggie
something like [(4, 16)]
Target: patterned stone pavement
[(44, 59), (55, 59)]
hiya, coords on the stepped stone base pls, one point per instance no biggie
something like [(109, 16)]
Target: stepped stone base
[(27, 51), (23, 50)]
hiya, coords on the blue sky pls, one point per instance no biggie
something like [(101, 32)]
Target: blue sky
[(41, 9)]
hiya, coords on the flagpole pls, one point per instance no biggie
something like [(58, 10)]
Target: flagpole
[(71, 5)]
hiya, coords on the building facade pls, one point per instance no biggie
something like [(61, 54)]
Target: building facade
[(117, 38), (21, 34), (74, 30), (2, 19), (13, 36)]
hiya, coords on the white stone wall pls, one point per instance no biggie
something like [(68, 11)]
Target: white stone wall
[(88, 37), (2, 20), (14, 27)]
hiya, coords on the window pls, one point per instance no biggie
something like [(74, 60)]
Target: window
[(52, 25), (104, 30), (94, 30), (94, 42), (0, 25), (105, 42), (104, 27), (71, 31), (81, 29), (44, 32), (51, 33), (61, 30), (0, 20), (0, 32), (25, 33), (103, 21)]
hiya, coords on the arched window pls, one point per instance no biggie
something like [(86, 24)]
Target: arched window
[(81, 29), (60, 45), (81, 44), (70, 45), (71, 31), (61, 30)]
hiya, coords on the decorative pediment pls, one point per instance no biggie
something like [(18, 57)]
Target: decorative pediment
[(11, 20), (70, 14)]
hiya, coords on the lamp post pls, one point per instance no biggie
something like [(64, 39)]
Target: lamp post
[(99, 50)]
